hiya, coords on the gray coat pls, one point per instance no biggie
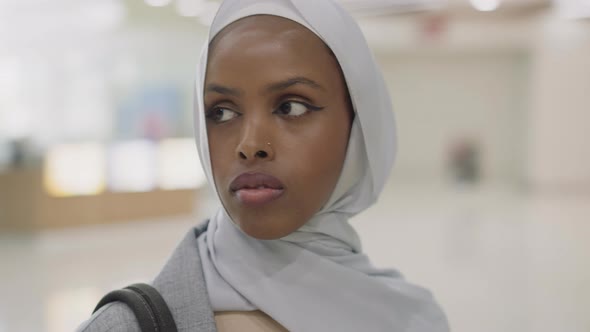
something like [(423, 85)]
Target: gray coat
[(181, 284)]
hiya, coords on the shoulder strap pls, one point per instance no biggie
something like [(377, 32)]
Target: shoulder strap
[(150, 309)]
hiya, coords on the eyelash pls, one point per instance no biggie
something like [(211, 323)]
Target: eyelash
[(210, 113)]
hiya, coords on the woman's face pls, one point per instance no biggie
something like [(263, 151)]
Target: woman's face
[(278, 122)]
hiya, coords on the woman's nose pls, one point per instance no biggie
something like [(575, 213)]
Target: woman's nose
[(253, 145)]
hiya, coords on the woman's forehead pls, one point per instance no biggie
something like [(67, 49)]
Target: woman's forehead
[(266, 42), (258, 51), (256, 27)]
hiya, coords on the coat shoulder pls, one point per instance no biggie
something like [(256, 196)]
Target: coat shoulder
[(113, 317), (182, 285)]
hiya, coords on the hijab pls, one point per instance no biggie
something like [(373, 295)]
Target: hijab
[(317, 278)]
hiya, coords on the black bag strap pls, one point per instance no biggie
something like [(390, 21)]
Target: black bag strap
[(150, 309)]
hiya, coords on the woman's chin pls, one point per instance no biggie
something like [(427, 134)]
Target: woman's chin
[(265, 229)]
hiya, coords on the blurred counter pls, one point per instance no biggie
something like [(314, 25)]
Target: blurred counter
[(25, 205)]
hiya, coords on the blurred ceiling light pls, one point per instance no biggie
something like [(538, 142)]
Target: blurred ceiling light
[(485, 5), (158, 3), (132, 166), (178, 165), (74, 169)]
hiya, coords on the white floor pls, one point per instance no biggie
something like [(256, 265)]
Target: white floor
[(495, 259)]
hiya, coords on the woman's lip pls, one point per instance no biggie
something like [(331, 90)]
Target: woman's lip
[(256, 188), (255, 181), (258, 196)]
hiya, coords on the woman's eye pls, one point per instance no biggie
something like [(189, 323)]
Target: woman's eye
[(293, 108), (220, 115)]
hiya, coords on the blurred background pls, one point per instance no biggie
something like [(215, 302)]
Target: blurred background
[(488, 204)]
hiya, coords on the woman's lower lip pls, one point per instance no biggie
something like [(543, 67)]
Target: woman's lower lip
[(258, 196)]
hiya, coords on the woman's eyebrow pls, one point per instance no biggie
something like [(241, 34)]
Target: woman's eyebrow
[(273, 87), (212, 87)]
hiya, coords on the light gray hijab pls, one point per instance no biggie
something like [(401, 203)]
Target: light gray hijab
[(317, 278)]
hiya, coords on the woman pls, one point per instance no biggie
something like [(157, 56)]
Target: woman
[(296, 134)]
